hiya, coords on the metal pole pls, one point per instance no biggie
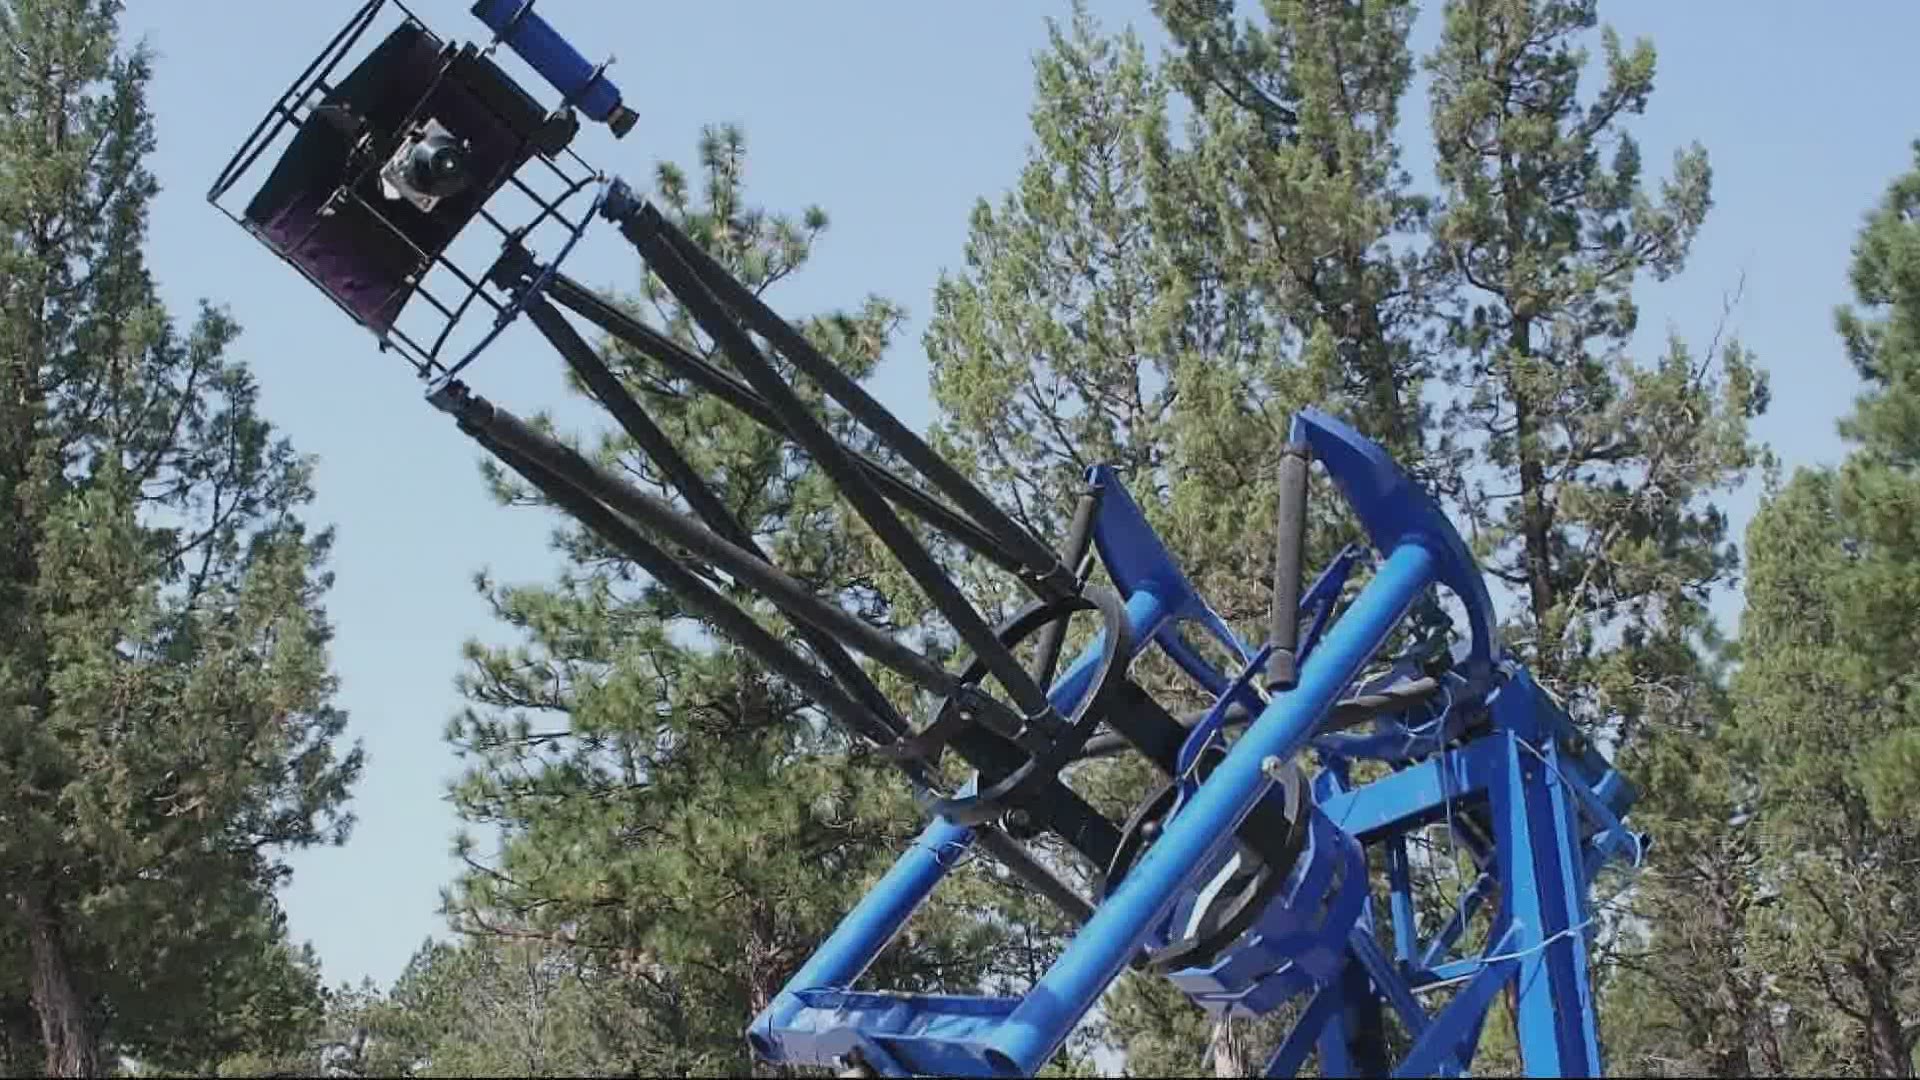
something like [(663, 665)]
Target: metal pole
[(1073, 552), (685, 479), (1044, 564), (868, 928), (699, 596), (1289, 551), (675, 261)]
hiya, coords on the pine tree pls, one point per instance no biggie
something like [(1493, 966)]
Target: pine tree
[(481, 1007), (1829, 714), (687, 826), (1592, 473), (165, 719), (1597, 470), (1056, 348), (1289, 208)]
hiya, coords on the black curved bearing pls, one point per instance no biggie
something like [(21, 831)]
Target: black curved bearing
[(1276, 831)]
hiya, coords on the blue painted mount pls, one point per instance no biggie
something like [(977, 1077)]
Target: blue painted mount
[(1489, 759)]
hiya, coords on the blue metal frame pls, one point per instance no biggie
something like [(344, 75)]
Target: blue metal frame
[(1495, 752)]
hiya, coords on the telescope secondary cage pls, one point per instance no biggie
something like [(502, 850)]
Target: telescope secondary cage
[(415, 181), (324, 207)]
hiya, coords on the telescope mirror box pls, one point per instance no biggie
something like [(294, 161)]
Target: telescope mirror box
[(384, 165)]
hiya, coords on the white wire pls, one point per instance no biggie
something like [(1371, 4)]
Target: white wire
[(1485, 962)]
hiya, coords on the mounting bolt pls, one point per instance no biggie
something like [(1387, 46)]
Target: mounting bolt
[(1274, 769)]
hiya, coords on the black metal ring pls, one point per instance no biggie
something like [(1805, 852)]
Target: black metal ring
[(1047, 752)]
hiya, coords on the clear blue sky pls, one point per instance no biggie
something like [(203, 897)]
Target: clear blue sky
[(895, 117)]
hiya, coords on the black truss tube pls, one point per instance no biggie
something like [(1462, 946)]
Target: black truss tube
[(1140, 723), (1289, 548), (1045, 566), (607, 389), (736, 624), (592, 495), (1346, 713), (653, 236), (1073, 552), (508, 430), (594, 308), (742, 627), (1024, 866)]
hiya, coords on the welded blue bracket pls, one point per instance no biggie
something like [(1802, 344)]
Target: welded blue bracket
[(1536, 845), (1324, 594), (1394, 511), (1136, 561)]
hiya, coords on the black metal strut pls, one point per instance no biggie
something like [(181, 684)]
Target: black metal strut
[(473, 413), (612, 507), (699, 283), (653, 442), (1289, 552), (669, 353), (520, 448), (1048, 574)]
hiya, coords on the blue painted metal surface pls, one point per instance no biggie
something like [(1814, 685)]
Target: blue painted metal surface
[(865, 931), (1100, 951), (1488, 748), (1394, 510), (1136, 560)]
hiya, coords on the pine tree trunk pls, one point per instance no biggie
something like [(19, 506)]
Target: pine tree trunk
[(1536, 517), (1887, 1051), (1226, 1054), (763, 980), (71, 1048), (1766, 1044)]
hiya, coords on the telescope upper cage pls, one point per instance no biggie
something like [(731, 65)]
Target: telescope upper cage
[(382, 168)]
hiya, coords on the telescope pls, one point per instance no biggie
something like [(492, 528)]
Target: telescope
[(435, 200)]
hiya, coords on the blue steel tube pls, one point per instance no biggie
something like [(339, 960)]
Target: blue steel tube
[(1103, 946), (869, 926), (557, 61)]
